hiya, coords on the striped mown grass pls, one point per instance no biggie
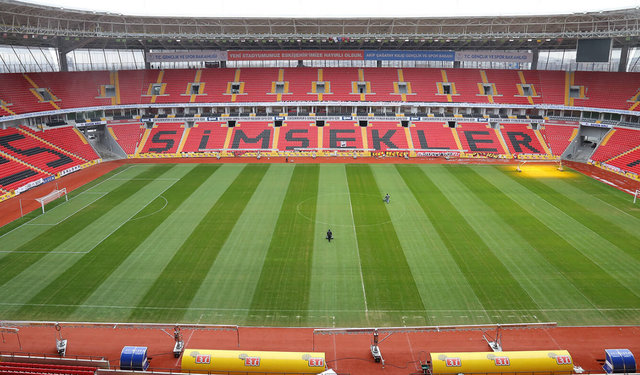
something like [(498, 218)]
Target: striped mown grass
[(245, 244)]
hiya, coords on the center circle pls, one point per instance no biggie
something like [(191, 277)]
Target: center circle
[(336, 216)]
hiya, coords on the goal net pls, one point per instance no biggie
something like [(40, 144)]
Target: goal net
[(52, 196)]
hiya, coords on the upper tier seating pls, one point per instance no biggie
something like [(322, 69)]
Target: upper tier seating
[(68, 138), (84, 89), (621, 140), (558, 137), (35, 152), (164, 138)]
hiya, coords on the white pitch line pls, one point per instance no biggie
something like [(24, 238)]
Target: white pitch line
[(131, 217), (76, 211), (289, 311), (355, 237)]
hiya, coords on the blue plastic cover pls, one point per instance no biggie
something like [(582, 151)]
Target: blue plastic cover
[(619, 361), (134, 358)]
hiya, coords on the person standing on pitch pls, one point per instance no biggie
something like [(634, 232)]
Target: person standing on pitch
[(329, 235), (387, 198)]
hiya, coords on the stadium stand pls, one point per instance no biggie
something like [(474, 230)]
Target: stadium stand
[(164, 138), (206, 135), (74, 89), (629, 161), (17, 368), (558, 137), (341, 134), (341, 83), (302, 84), (522, 139), (216, 82), (616, 142), (297, 134), (85, 89), (14, 173), (67, 138), (479, 137), (434, 135), (383, 136), (35, 152), (127, 135), (423, 83), (251, 135)]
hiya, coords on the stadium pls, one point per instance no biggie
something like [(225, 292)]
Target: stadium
[(281, 193)]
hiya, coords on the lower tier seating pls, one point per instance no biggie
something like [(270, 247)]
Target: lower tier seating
[(558, 137), (164, 138), (13, 174)]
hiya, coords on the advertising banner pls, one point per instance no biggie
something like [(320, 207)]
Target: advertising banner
[(495, 56), (410, 55), (187, 56), (28, 186), (294, 55)]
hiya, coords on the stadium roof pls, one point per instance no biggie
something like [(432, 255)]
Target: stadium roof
[(48, 26)]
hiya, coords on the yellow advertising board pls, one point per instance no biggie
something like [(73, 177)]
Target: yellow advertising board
[(552, 361), (253, 361)]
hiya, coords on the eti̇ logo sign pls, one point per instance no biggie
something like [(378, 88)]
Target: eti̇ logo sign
[(252, 361), (453, 362), (502, 361), (563, 360), (316, 362), (203, 358)]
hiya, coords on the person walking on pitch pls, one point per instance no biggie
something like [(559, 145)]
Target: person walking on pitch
[(329, 235), (387, 198)]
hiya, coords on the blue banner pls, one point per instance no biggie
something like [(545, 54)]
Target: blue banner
[(410, 55)]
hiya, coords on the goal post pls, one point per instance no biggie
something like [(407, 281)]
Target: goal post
[(52, 196), (635, 196)]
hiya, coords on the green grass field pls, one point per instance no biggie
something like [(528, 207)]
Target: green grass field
[(244, 244)]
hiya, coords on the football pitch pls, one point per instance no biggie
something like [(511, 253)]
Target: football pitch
[(245, 244)]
